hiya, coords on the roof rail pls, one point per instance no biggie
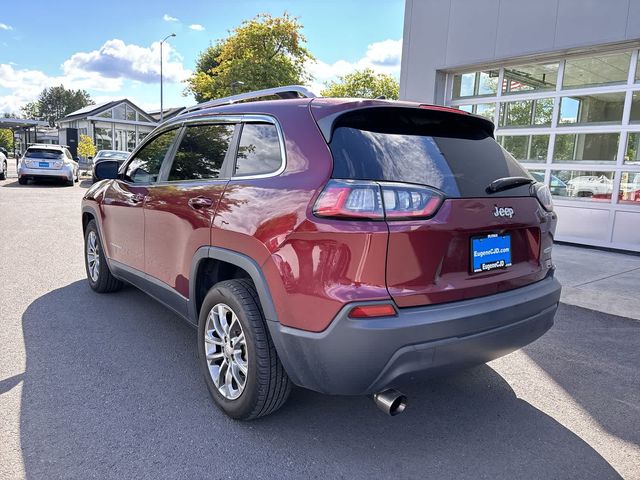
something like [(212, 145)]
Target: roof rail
[(290, 91)]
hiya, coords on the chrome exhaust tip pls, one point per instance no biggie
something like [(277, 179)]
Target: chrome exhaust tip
[(390, 401)]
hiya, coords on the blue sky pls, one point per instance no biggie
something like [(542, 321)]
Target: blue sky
[(111, 49)]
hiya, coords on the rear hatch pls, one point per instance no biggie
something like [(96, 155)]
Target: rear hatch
[(45, 158), (460, 239)]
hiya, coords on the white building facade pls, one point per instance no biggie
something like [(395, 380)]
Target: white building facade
[(117, 125), (561, 81)]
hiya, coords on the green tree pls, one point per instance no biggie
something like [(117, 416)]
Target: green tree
[(363, 84), (6, 139), (263, 52), (55, 103), (86, 148), (30, 111)]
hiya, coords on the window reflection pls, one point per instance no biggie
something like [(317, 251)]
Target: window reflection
[(475, 84), (201, 152), (630, 188), (534, 77), (259, 150), (587, 185), (103, 138), (597, 70), (600, 108), (634, 116), (632, 152), (526, 113), (530, 148), (586, 147), (486, 110)]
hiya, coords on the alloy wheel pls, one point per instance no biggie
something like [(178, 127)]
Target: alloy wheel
[(226, 353), (93, 256)]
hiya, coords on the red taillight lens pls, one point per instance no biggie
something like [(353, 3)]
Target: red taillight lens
[(377, 200), (372, 311), (350, 199)]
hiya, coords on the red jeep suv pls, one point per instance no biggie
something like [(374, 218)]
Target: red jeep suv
[(341, 245)]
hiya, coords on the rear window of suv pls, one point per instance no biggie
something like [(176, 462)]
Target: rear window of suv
[(43, 153), (453, 153)]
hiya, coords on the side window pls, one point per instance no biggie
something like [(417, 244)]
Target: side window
[(259, 150), (145, 166), (201, 152)]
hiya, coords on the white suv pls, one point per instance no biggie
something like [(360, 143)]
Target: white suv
[(47, 161)]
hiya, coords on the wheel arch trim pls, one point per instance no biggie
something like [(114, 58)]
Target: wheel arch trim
[(239, 260)]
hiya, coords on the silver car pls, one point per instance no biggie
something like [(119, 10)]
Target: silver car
[(47, 162)]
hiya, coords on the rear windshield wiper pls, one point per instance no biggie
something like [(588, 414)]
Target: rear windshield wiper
[(505, 183)]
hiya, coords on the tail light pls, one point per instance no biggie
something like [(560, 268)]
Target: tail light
[(543, 194), (358, 199)]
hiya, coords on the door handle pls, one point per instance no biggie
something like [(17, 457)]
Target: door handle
[(137, 198), (200, 202)]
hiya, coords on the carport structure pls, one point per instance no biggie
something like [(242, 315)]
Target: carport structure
[(26, 130)]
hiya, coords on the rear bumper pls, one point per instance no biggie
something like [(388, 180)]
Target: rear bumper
[(64, 173), (363, 356)]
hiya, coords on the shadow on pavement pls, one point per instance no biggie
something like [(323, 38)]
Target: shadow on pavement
[(37, 184), (595, 357), (112, 389)]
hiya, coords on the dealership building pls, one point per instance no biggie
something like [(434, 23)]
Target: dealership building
[(561, 81)]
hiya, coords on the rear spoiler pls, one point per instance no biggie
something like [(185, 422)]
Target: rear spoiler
[(328, 122)]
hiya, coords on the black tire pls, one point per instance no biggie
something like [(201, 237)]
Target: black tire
[(105, 282), (94, 179), (22, 180), (70, 183), (267, 386), (3, 171)]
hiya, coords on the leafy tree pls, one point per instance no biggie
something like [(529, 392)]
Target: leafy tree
[(55, 103), (86, 148), (6, 139), (31, 111), (263, 52), (363, 84)]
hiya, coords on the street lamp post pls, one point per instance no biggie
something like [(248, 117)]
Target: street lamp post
[(161, 103)]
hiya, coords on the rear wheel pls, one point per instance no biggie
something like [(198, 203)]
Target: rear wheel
[(100, 278), (22, 180), (241, 366), (3, 171)]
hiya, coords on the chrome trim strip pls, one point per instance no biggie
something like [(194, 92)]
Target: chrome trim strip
[(209, 118)]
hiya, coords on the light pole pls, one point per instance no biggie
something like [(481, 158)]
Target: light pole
[(161, 105)]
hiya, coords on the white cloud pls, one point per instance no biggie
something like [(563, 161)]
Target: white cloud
[(118, 60), (197, 27), (382, 57), (4, 26), (169, 18), (104, 70)]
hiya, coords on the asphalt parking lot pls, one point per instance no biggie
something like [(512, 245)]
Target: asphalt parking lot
[(107, 386)]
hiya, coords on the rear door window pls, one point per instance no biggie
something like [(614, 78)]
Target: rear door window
[(201, 152), (145, 166), (454, 154), (258, 150)]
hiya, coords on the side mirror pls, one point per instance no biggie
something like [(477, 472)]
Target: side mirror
[(107, 169)]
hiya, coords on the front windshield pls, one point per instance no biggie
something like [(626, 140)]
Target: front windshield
[(44, 153)]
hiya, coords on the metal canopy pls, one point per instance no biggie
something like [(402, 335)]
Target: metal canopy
[(19, 123)]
